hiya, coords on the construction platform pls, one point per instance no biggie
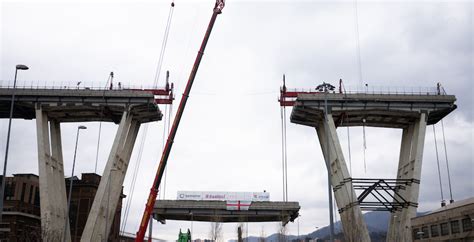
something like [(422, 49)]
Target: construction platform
[(376, 110), (211, 211), (80, 105)]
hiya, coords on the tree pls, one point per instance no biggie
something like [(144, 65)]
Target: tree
[(216, 230), (262, 236), (282, 233), (239, 233)]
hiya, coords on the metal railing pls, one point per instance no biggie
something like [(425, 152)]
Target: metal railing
[(377, 90), (71, 85)]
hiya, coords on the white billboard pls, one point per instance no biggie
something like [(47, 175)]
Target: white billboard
[(223, 196)]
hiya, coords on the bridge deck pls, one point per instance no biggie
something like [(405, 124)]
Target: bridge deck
[(378, 110), (210, 211), (80, 105)]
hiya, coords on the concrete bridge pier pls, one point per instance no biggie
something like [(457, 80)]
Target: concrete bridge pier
[(127, 107), (409, 167), (102, 212), (351, 215), (51, 177), (411, 112)]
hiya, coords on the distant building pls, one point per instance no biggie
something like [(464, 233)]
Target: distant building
[(22, 218), (83, 194), (452, 222)]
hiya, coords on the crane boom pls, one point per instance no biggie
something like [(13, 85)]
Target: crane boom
[(179, 113)]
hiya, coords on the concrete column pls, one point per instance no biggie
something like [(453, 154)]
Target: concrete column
[(110, 188), (409, 167), (51, 179), (351, 214)]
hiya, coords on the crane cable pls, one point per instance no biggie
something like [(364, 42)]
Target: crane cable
[(357, 39), (365, 144), (100, 126), (166, 130), (143, 138), (447, 164), (284, 156), (283, 151), (350, 171), (439, 170), (349, 148), (134, 178), (359, 65), (111, 76), (163, 45), (161, 196)]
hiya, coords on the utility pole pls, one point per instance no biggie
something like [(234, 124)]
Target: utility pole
[(2, 191)]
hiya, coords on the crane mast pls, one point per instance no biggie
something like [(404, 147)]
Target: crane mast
[(179, 113)]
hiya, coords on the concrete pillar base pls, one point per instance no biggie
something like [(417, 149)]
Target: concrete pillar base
[(106, 199), (409, 167), (51, 179), (352, 221)]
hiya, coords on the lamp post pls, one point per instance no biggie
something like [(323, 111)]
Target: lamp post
[(299, 215), (326, 88), (66, 225), (192, 220), (2, 191)]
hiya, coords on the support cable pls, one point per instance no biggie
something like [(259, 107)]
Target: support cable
[(283, 153), (350, 168), (166, 130), (166, 127), (349, 150), (286, 154), (447, 164), (365, 145), (134, 178), (170, 111), (98, 147), (439, 170), (145, 130), (163, 45), (357, 39), (163, 141), (111, 76)]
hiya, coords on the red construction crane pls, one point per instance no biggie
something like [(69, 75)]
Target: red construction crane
[(166, 151)]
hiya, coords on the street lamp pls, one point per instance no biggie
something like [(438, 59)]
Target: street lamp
[(192, 220), (326, 88), (299, 215), (2, 191), (66, 225)]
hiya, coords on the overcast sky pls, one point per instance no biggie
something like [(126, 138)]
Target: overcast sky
[(230, 134)]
